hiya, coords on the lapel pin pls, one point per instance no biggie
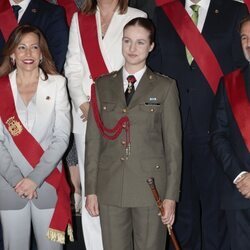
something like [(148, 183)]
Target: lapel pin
[(47, 97), (216, 11), (150, 77), (34, 10)]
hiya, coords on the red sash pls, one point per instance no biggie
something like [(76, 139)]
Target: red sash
[(8, 20), (32, 151), (97, 67), (193, 40), (247, 2), (237, 96), (70, 8), (88, 30)]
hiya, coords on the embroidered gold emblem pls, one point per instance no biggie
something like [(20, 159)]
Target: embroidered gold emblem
[(15, 128)]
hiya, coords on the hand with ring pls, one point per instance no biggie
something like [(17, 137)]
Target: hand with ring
[(26, 188), (24, 196)]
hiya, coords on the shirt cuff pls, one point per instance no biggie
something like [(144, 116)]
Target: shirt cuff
[(239, 176)]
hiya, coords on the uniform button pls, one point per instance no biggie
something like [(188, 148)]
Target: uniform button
[(104, 108), (124, 111), (157, 166), (123, 142), (208, 132), (122, 159), (124, 125), (152, 110)]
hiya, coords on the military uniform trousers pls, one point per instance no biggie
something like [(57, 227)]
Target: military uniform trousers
[(120, 223)]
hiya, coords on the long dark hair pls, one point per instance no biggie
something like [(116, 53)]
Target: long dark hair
[(47, 65)]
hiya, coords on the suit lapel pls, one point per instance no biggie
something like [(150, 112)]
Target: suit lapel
[(117, 88), (13, 85), (214, 13), (30, 13), (112, 36), (45, 103), (145, 86), (246, 74)]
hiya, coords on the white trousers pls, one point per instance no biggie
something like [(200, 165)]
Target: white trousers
[(91, 226), (16, 226)]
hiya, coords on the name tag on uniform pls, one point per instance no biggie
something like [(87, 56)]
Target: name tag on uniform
[(152, 102)]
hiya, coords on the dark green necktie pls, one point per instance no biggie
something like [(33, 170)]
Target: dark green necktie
[(194, 17)]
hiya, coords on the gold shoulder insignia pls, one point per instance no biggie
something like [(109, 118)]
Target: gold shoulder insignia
[(112, 74), (159, 74)]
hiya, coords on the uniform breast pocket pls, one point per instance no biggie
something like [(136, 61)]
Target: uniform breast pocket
[(150, 115), (108, 113)]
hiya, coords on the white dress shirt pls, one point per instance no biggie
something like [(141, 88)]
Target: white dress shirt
[(204, 5), (138, 75), (23, 4), (26, 114)]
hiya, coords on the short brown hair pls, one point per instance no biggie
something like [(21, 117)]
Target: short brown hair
[(89, 6), (47, 65), (243, 21), (144, 23)]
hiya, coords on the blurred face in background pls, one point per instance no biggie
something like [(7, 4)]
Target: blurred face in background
[(245, 39)]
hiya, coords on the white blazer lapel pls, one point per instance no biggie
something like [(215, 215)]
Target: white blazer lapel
[(12, 77), (110, 45), (45, 103)]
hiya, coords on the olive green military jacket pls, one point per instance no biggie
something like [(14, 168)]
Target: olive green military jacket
[(155, 133)]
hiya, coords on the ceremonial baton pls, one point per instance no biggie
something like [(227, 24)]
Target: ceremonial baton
[(152, 186)]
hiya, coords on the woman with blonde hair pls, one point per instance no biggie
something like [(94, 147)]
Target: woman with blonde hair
[(95, 48)]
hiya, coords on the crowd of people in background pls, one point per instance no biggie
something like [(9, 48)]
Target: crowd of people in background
[(170, 101)]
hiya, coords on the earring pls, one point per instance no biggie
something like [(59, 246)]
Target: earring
[(41, 60), (13, 61)]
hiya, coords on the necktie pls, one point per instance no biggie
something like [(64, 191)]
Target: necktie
[(194, 17), (130, 89), (16, 9)]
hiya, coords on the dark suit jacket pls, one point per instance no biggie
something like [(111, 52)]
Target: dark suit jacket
[(221, 33), (51, 20), (229, 146), (155, 132), (147, 6)]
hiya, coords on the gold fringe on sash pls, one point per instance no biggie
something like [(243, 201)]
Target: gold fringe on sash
[(59, 236)]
